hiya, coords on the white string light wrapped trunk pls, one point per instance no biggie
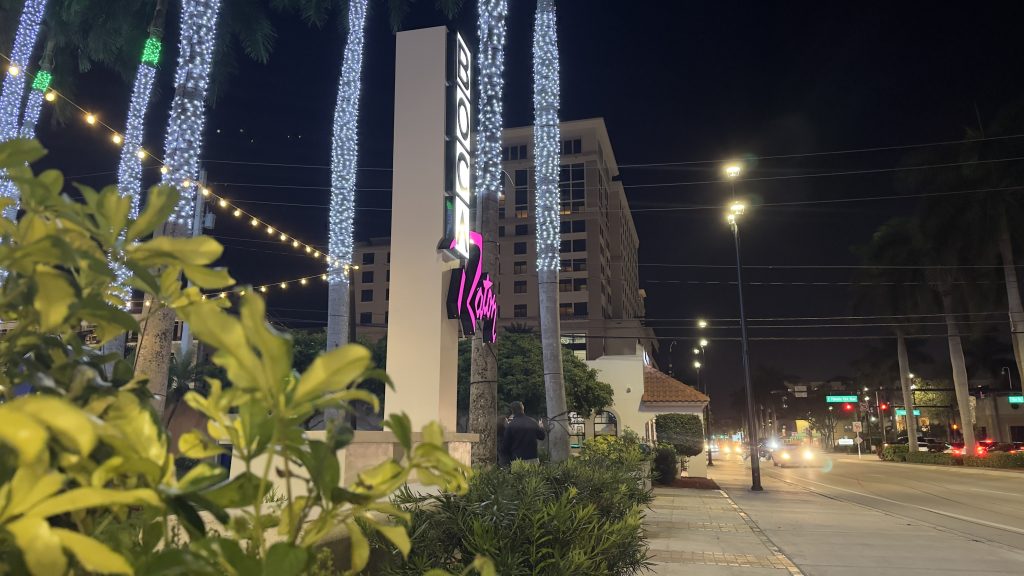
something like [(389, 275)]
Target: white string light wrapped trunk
[(546, 153), (483, 386), (344, 158), (182, 148)]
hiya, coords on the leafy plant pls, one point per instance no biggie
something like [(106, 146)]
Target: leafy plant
[(684, 431), (933, 458), (666, 464), (995, 460), (895, 453), (86, 478), (570, 518)]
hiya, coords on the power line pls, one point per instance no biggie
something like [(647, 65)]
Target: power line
[(828, 153), (830, 266)]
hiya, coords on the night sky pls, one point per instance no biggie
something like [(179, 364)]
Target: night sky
[(687, 84)]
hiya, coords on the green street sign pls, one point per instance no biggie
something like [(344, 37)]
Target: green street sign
[(840, 399), (1016, 399), (903, 412)]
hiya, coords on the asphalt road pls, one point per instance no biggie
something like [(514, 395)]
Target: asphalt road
[(981, 504)]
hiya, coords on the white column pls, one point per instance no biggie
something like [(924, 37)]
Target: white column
[(422, 341)]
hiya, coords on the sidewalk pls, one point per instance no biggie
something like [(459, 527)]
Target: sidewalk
[(703, 533)]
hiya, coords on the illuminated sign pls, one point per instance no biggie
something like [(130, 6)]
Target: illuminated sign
[(840, 399), (460, 136), (903, 412), (1016, 399), (471, 295)]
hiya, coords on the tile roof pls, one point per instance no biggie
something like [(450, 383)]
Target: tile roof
[(660, 387)]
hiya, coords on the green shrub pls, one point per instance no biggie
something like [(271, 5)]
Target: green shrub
[(569, 518), (932, 458), (995, 460), (87, 478), (895, 453), (666, 464), (626, 450), (684, 431)]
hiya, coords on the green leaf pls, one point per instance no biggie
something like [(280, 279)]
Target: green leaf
[(40, 547), (402, 427), (54, 297), (485, 566), (159, 205), (69, 424), (226, 550), (91, 554), (382, 478), (201, 476), (332, 371), (168, 250), (397, 536), (209, 278), (360, 547), (22, 433), (284, 559), (433, 434), (178, 562), (195, 444), (322, 463), (20, 151), (291, 515), (84, 498), (109, 321), (29, 486), (242, 490)]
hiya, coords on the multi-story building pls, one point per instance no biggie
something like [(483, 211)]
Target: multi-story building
[(600, 298)]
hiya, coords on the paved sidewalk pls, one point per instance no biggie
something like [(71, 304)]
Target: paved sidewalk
[(703, 533)]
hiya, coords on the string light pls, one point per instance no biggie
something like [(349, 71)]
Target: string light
[(546, 137), (491, 60), (255, 222), (237, 212), (90, 119), (51, 96), (34, 104), (344, 145), (129, 170), (117, 139), (187, 120)]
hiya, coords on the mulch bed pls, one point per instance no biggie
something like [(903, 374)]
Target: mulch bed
[(698, 483)]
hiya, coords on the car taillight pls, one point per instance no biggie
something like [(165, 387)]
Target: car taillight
[(982, 450)]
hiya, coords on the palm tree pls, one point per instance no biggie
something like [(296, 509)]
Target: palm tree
[(181, 376), (548, 216), (483, 385), (893, 286)]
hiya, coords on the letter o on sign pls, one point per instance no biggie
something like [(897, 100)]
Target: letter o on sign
[(463, 120), (462, 173)]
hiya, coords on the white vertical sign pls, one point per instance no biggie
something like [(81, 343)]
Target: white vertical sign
[(462, 132)]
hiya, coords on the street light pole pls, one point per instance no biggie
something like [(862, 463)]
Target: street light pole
[(755, 466), (701, 353)]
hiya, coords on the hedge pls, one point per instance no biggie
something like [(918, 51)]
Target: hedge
[(684, 431), (895, 453), (933, 458), (995, 460)]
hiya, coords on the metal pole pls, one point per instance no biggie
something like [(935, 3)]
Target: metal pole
[(881, 418), (197, 230), (755, 465)]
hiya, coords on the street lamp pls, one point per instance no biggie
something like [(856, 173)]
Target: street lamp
[(701, 323), (736, 209), (700, 353)]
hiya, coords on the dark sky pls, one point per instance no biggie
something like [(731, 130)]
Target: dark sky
[(677, 82)]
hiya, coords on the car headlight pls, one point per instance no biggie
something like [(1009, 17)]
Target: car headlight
[(808, 455), (725, 449), (785, 455)]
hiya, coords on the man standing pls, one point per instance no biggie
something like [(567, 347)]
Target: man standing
[(521, 435)]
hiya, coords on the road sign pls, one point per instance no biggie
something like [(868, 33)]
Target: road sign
[(903, 412), (800, 394), (799, 388), (1016, 399), (834, 399), (858, 427), (858, 439)]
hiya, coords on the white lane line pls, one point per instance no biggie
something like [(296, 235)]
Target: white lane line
[(925, 508)]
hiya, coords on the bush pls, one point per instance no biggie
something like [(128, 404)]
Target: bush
[(895, 453), (932, 458), (684, 431), (569, 518), (666, 464), (995, 460), (626, 450)]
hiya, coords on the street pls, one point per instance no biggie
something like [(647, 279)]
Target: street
[(849, 516)]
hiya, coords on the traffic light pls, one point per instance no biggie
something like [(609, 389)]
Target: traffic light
[(883, 406), (848, 407)]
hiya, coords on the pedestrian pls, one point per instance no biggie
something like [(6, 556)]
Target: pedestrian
[(521, 435)]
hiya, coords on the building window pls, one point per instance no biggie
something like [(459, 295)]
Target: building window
[(515, 152), (565, 246), (574, 146), (519, 311), (522, 229), (368, 257), (387, 294), (579, 309), (368, 277), (577, 430), (606, 424), (571, 184), (579, 225), (366, 296), (519, 287), (389, 257), (579, 265), (387, 275), (579, 284), (565, 285), (519, 248), (522, 151), (385, 316), (565, 310), (519, 267), (522, 194), (501, 231), (365, 318), (579, 245), (501, 208)]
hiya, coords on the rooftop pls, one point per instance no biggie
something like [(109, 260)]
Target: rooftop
[(660, 387)]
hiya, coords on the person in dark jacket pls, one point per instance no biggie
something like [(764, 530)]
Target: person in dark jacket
[(521, 435)]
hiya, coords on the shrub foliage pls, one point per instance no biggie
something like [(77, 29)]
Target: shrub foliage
[(684, 431), (666, 464)]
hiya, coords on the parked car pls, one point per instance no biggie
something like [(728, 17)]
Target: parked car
[(924, 444)]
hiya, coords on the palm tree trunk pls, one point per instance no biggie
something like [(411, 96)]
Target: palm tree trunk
[(1015, 307), (548, 219), (183, 146), (956, 359), (343, 178), (483, 372), (908, 394), (13, 91)]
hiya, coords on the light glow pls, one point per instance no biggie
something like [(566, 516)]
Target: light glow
[(732, 170), (490, 58), (546, 137), (702, 323), (51, 96)]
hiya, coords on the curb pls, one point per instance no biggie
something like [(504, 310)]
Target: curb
[(794, 570)]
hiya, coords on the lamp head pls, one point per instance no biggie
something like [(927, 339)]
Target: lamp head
[(732, 170)]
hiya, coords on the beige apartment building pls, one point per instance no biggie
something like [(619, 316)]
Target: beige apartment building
[(600, 297)]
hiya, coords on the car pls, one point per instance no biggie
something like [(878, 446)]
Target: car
[(983, 447), (795, 455), (924, 444)]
